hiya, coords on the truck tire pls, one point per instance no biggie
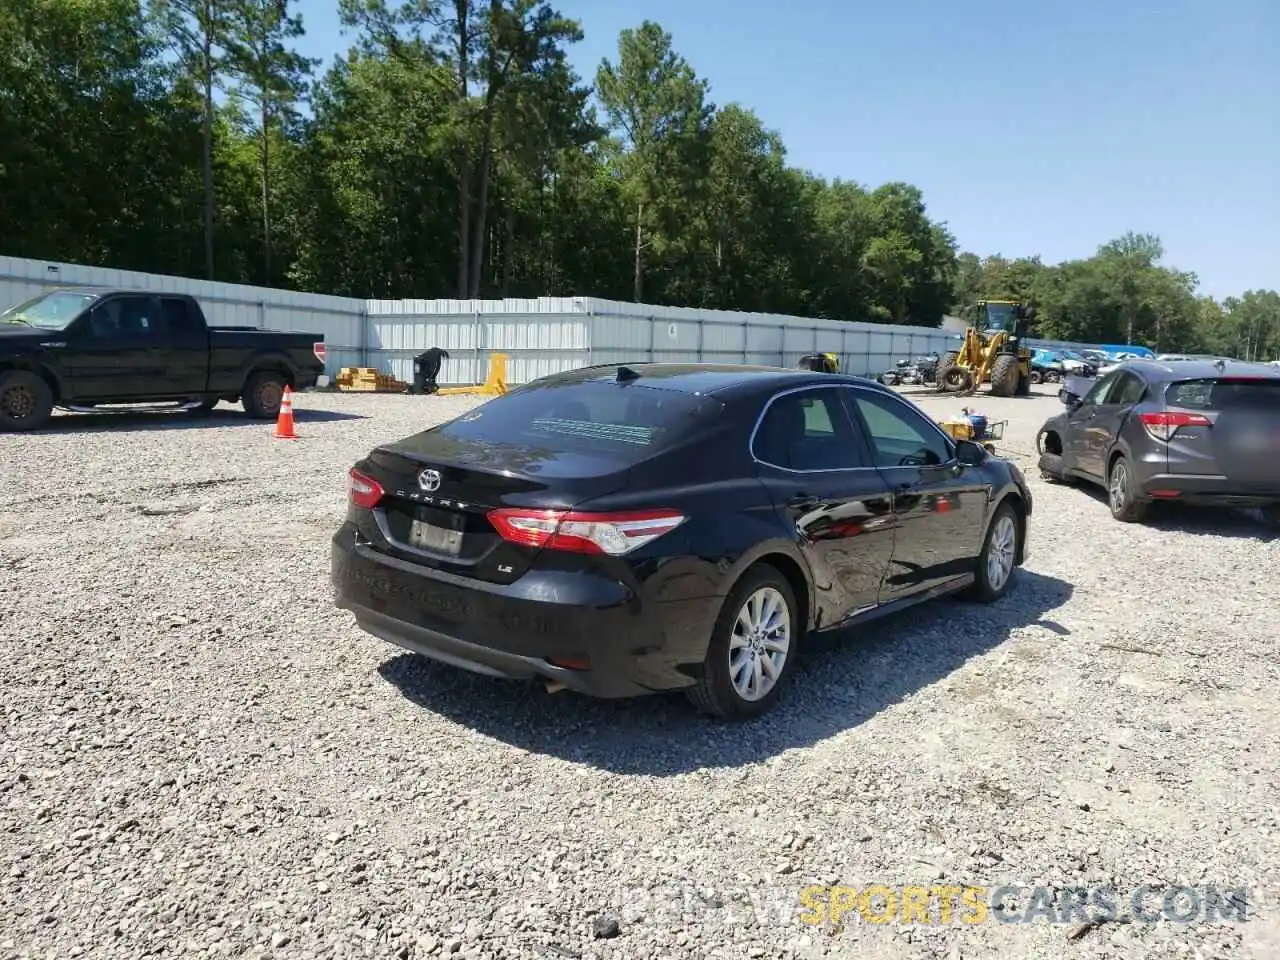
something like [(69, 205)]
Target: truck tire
[(26, 401), (1024, 384), (950, 378), (263, 392), (1004, 376)]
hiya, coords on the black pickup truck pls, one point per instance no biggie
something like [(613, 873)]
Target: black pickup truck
[(89, 349)]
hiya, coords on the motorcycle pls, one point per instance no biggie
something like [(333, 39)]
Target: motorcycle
[(921, 370)]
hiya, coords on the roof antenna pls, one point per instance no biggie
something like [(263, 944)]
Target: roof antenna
[(626, 373)]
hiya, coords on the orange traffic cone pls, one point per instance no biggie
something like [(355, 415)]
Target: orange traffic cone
[(284, 422)]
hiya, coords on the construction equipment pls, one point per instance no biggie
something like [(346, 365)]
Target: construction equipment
[(368, 380), (494, 386), (820, 362), (995, 354), (974, 426)]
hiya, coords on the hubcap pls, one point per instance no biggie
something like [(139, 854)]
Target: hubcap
[(18, 403), (760, 643), (269, 395), (1000, 552), (1119, 486)]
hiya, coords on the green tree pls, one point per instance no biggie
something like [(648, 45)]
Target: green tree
[(271, 77), (658, 106)]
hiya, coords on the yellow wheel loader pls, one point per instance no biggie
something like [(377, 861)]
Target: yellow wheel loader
[(994, 355)]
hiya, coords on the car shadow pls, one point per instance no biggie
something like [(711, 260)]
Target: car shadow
[(65, 422), (1236, 523), (839, 681)]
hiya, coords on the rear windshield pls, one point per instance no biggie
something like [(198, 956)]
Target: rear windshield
[(1225, 394), (593, 417)]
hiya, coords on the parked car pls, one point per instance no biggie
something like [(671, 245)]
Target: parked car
[(627, 530), (81, 349), (1192, 431)]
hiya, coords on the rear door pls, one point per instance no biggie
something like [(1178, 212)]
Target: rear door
[(939, 507), (1232, 431), (187, 346), (1107, 417), (819, 473)]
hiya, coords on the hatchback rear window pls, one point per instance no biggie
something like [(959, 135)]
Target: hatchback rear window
[(590, 417), (1225, 394)]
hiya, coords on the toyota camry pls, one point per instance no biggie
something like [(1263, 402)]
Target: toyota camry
[(623, 530)]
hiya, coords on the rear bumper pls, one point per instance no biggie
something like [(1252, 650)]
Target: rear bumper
[(512, 632), (1202, 490)]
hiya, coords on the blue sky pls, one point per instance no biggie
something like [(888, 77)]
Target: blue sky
[(1042, 127)]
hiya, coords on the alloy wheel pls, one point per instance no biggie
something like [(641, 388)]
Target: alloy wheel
[(760, 643), (1000, 552), (1119, 487)]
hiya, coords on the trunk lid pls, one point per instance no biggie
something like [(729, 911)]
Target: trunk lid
[(545, 446), (1245, 433), (440, 489)]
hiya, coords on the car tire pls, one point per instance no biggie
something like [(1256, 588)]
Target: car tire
[(738, 628), (26, 401), (1120, 499), (262, 395), (1053, 469), (998, 561)]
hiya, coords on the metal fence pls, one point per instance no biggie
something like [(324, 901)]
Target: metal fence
[(552, 334), (539, 336)]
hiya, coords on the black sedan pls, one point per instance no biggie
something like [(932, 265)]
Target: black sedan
[(622, 530)]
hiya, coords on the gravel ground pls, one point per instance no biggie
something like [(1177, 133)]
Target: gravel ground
[(201, 757)]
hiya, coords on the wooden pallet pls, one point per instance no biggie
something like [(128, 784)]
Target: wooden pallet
[(368, 380)]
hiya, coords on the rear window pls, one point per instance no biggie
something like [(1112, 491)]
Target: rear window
[(590, 417), (1225, 394)]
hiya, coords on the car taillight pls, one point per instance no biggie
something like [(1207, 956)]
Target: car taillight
[(1163, 426), (614, 534), (364, 491), (319, 350)]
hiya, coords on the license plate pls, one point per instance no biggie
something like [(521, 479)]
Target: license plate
[(427, 536)]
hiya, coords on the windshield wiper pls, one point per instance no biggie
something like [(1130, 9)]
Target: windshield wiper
[(17, 318)]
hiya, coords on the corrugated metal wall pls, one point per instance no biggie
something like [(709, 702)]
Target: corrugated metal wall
[(551, 334), (540, 336), (340, 319)]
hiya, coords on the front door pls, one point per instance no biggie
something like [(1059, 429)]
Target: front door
[(938, 504), (117, 351), (1079, 443), (819, 474)]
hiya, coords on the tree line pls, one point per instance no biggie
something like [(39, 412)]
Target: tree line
[(453, 151)]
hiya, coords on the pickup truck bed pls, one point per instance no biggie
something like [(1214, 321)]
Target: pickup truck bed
[(86, 349)]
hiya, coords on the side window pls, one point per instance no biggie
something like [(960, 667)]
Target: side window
[(1128, 390), (900, 437), (104, 321), (1099, 390), (178, 317), (138, 317), (808, 430)]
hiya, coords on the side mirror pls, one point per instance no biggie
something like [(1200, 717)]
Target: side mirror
[(970, 454)]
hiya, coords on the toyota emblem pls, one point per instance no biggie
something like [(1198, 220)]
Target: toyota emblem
[(429, 480)]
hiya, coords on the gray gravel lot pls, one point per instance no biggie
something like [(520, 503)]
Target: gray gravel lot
[(202, 757)]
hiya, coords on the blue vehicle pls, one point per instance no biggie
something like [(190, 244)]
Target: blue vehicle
[(1116, 350)]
